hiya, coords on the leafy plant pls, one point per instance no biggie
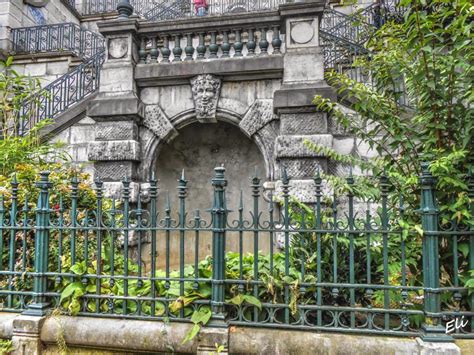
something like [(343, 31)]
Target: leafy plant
[(18, 144), (6, 346), (417, 108)]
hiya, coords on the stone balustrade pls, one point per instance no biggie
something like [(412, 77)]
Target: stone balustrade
[(211, 44)]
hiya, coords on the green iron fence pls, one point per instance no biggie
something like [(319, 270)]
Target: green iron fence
[(332, 266)]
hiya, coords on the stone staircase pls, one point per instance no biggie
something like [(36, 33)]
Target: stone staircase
[(87, 52)]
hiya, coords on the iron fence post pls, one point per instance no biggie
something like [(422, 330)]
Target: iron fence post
[(219, 217), (40, 305), (470, 184), (433, 331)]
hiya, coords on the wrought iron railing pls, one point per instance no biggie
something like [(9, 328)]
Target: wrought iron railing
[(56, 38), (343, 36), (71, 3), (173, 9), (73, 86), (63, 93), (169, 9), (338, 267), (155, 10), (94, 7)]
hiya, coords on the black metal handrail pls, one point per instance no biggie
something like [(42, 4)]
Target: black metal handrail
[(57, 38), (62, 93), (174, 9), (94, 7), (169, 9), (155, 10), (342, 38)]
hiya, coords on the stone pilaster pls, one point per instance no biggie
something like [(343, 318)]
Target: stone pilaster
[(212, 340), (303, 79), (117, 110)]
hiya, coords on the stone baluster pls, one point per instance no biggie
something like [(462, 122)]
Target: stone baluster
[(166, 49), (201, 48), (238, 45), (263, 44), (251, 44), (177, 50), (213, 48), (225, 44), (142, 51), (276, 41), (189, 50), (153, 51)]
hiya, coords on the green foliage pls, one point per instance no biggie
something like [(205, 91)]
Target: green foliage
[(15, 91), (428, 60), (419, 109), (6, 346)]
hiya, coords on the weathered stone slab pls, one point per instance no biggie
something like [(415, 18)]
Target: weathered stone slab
[(303, 123), (116, 170), (114, 150), (303, 190), (26, 334), (115, 131), (344, 146), (258, 116), (115, 190), (303, 168), (303, 65), (120, 334), (294, 146), (157, 121), (430, 348)]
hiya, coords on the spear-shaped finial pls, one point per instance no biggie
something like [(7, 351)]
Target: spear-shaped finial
[(284, 177)]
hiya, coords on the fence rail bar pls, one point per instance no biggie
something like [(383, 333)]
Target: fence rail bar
[(332, 267)]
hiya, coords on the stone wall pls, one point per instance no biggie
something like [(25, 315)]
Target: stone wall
[(76, 140), (45, 69)]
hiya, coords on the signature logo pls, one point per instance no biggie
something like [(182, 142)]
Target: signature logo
[(456, 324)]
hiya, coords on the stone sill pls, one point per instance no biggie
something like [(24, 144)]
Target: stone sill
[(154, 336), (230, 69)]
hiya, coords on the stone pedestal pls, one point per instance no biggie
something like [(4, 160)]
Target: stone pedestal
[(26, 335), (117, 110), (300, 121), (210, 340)]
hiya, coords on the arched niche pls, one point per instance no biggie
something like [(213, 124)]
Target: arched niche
[(198, 149)]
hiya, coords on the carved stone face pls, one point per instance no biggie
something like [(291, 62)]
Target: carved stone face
[(206, 91)]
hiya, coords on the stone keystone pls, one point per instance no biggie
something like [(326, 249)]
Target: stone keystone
[(206, 91)]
